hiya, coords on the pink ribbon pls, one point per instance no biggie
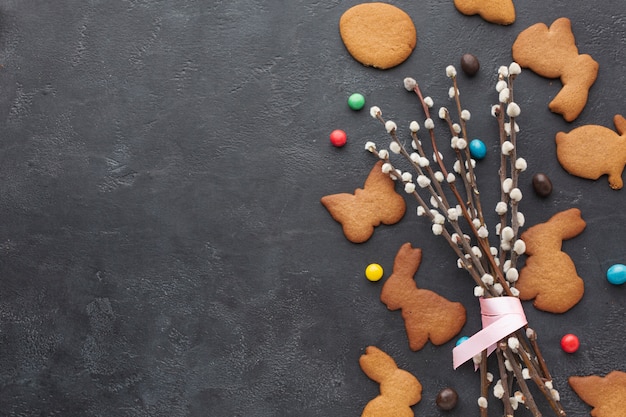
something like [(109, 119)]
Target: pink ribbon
[(501, 316)]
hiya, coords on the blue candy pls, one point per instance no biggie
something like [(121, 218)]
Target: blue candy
[(461, 340), (616, 274), (477, 149)]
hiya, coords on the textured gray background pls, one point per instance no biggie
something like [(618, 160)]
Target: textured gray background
[(163, 251)]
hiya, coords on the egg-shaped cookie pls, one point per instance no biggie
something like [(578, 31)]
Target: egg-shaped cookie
[(378, 34)]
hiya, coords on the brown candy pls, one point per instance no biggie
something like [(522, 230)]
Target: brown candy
[(542, 184), (447, 399), (470, 64)]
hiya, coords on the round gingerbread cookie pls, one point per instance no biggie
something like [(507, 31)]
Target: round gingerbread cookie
[(378, 34)]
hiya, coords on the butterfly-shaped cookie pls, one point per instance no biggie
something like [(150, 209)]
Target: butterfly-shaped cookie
[(377, 202)]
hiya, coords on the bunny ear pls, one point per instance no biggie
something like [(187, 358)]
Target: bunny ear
[(564, 26), (377, 364), (408, 260), (401, 284), (568, 222), (620, 124)]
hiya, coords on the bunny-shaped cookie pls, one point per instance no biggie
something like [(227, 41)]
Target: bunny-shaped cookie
[(552, 53), (426, 314), (549, 275), (501, 12), (399, 389), (591, 151), (605, 394)]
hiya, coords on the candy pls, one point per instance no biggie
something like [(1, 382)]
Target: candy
[(338, 138), (470, 64), (570, 343), (616, 274), (356, 101), (374, 272), (447, 399), (542, 184), (461, 340), (477, 148)]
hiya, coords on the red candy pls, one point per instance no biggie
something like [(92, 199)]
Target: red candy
[(570, 343), (338, 138)]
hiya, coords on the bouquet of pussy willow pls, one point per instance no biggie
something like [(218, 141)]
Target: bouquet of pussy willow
[(450, 199)]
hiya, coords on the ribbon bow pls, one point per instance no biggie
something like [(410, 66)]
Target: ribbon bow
[(501, 316)]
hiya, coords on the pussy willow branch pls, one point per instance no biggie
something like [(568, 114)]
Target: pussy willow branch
[(472, 190), (493, 269)]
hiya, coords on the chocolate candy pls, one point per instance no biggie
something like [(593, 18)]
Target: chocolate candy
[(542, 184), (447, 399), (470, 64)]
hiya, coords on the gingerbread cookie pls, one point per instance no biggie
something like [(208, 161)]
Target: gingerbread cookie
[(549, 276), (591, 151), (501, 12), (399, 389), (378, 34), (552, 53), (605, 394), (377, 202), (426, 314)]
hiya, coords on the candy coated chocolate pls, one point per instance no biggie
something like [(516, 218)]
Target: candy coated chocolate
[(356, 101), (374, 272), (570, 343), (616, 274), (461, 340), (477, 148), (338, 138)]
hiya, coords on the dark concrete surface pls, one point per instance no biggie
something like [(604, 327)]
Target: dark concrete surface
[(163, 251)]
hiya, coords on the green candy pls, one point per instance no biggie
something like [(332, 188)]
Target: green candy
[(356, 101)]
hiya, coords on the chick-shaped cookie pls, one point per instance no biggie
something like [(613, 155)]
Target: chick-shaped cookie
[(399, 389), (426, 314), (591, 151), (501, 12), (549, 275), (605, 394)]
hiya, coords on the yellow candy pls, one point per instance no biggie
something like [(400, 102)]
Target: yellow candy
[(374, 272)]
